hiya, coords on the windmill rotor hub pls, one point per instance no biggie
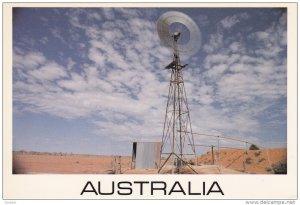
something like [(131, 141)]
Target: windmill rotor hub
[(176, 35), (186, 29)]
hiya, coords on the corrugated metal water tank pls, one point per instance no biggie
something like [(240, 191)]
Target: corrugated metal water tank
[(146, 155)]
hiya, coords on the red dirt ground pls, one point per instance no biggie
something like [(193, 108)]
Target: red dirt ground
[(231, 162), (257, 161), (34, 163)]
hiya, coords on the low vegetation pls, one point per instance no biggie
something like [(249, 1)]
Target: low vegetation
[(268, 169), (257, 153), (253, 147), (248, 160), (280, 168)]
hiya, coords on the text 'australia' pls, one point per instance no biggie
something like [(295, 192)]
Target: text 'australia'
[(151, 188)]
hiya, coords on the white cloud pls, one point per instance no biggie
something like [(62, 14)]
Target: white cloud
[(272, 40), (50, 71), (262, 35), (269, 53), (128, 12), (44, 19), (229, 21), (94, 15), (57, 34), (236, 47), (30, 60), (217, 70), (76, 83), (70, 64), (220, 58), (44, 40), (215, 42), (97, 56), (108, 13)]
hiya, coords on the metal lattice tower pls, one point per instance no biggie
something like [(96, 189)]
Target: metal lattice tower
[(177, 139)]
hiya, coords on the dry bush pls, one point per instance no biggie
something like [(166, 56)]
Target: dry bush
[(280, 168), (248, 160), (268, 169), (257, 153)]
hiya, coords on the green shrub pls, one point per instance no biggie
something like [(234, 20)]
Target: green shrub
[(253, 147)]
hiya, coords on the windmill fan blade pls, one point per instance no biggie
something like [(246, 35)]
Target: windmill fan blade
[(184, 23)]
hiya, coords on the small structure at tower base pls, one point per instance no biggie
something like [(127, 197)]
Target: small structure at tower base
[(146, 155)]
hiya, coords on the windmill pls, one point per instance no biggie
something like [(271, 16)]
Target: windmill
[(180, 33)]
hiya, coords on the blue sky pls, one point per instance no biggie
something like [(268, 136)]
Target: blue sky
[(92, 80)]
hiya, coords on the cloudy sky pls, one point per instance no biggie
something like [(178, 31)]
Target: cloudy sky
[(92, 80)]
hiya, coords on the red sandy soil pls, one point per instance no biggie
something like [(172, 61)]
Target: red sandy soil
[(48, 163), (231, 162), (256, 161)]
